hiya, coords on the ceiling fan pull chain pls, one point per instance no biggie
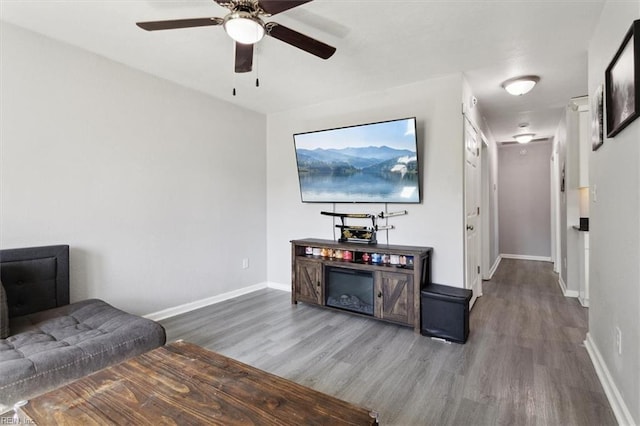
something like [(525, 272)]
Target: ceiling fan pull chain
[(234, 76), (256, 55)]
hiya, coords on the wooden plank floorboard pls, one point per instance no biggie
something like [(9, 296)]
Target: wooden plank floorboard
[(524, 362)]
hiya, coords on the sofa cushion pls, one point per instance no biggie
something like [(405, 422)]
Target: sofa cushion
[(4, 313), (50, 348)]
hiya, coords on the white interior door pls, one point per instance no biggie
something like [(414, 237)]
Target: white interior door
[(554, 233), (472, 210), (555, 211)]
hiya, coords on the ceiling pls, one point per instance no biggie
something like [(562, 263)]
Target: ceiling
[(380, 44)]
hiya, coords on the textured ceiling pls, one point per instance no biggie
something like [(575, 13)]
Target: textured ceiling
[(380, 44)]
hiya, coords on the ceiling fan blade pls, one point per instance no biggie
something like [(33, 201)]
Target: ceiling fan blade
[(276, 6), (244, 57), (300, 40), (179, 23)]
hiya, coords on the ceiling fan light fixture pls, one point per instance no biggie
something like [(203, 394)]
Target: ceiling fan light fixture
[(520, 85), (243, 27), (524, 137)]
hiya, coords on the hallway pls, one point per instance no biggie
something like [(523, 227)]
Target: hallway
[(539, 353)]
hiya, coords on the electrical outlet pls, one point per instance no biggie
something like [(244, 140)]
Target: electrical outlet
[(245, 263), (619, 340)]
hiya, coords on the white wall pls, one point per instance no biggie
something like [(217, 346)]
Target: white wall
[(436, 222), (614, 226), (525, 199), (159, 191), (494, 222)]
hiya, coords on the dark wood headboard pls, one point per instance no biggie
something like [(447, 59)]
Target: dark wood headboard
[(35, 278)]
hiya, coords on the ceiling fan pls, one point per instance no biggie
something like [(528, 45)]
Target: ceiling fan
[(245, 25)]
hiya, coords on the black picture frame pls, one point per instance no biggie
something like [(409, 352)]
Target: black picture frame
[(622, 83), (597, 116)]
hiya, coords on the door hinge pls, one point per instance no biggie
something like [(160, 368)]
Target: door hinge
[(478, 268), (478, 210)]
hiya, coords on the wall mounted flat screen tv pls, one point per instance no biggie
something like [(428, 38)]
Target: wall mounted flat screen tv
[(366, 163)]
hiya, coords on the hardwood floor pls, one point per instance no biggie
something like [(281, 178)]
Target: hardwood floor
[(524, 362)]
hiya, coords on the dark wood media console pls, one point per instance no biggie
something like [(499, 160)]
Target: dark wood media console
[(377, 280)]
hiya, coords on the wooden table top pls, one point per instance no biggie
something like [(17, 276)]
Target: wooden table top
[(183, 384)]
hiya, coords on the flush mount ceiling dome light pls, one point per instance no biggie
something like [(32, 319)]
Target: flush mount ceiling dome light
[(524, 137), (243, 27), (520, 85)]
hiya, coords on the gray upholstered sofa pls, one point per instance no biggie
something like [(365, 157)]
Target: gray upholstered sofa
[(52, 342)]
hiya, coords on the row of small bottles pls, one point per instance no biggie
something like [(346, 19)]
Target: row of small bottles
[(375, 258), (327, 252)]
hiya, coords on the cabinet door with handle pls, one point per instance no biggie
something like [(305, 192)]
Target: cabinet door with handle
[(395, 297), (308, 281)]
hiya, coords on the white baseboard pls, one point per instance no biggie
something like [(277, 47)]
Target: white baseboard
[(278, 286), (620, 409), (562, 285), (187, 307), (565, 292), (525, 257), (494, 268)]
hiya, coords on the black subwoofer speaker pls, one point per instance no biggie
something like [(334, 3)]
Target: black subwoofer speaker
[(445, 312)]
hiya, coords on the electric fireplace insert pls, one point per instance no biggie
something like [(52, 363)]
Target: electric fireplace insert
[(349, 289)]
